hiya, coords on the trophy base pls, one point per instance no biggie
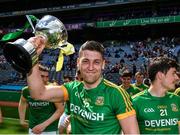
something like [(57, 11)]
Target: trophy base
[(18, 57)]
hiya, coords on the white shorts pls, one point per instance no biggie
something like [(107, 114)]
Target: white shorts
[(43, 133)]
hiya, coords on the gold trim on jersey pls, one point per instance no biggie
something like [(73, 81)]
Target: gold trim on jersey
[(126, 97), (66, 95), (124, 94), (178, 123), (125, 115), (177, 91), (138, 94)]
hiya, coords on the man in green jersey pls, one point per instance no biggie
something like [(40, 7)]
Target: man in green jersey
[(158, 111), (43, 115), (126, 83), (139, 81), (97, 106)]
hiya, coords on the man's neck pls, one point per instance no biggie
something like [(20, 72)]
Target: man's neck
[(138, 83), (91, 85), (157, 90)]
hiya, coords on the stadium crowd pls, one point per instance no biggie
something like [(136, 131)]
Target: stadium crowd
[(120, 56)]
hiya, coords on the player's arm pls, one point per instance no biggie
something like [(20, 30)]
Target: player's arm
[(125, 112), (64, 121), (41, 127), (41, 92), (59, 111), (22, 111), (129, 125), (35, 83)]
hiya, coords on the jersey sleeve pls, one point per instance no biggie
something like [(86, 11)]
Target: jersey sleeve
[(68, 88), (122, 104), (65, 91), (135, 106)]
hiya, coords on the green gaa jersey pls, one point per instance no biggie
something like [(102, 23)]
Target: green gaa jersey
[(39, 111), (67, 108), (141, 87), (132, 90), (157, 115), (177, 91), (97, 110)]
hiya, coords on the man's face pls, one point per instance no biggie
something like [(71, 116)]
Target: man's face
[(90, 64), (126, 81), (139, 79), (170, 79), (45, 76)]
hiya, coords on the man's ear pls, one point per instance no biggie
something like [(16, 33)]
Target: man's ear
[(103, 66), (159, 75), (77, 63)]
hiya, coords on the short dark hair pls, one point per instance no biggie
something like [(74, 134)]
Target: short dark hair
[(126, 73), (138, 73), (43, 68), (160, 64), (92, 46)]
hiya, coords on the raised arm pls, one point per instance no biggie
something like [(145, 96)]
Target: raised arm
[(37, 89), (41, 92)]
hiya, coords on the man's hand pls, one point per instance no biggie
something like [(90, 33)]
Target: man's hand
[(24, 124), (38, 129), (67, 121), (39, 43)]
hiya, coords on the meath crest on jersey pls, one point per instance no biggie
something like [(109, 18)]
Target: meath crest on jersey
[(99, 100), (174, 107)]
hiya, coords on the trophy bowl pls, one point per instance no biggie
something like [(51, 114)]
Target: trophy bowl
[(53, 30), (22, 55)]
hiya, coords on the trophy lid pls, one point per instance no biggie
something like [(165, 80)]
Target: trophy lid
[(53, 29)]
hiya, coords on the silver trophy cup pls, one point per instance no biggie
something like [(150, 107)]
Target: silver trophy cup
[(22, 55)]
